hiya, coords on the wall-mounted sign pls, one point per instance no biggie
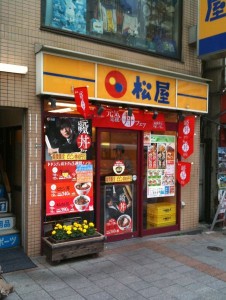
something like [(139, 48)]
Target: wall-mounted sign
[(69, 187), (211, 29), (56, 75)]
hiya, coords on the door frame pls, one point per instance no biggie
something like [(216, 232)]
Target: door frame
[(137, 232)]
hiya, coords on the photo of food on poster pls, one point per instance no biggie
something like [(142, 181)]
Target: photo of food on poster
[(69, 187), (161, 166), (118, 209), (68, 138)]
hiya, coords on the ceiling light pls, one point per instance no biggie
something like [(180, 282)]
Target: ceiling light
[(62, 110), (52, 102), (130, 111), (100, 110), (63, 104), (155, 115), (181, 117), (13, 68)]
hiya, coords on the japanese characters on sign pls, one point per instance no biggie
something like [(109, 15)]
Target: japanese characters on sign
[(121, 85), (69, 172), (68, 138), (118, 118), (69, 187), (183, 172), (212, 22), (186, 136), (160, 165)]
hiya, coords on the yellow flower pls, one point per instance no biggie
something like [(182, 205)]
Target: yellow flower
[(75, 228), (85, 221), (84, 231), (69, 232), (86, 226), (59, 226), (53, 232), (91, 224)]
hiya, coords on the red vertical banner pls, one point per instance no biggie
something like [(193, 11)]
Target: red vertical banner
[(187, 127), (81, 100), (183, 172), (185, 146)]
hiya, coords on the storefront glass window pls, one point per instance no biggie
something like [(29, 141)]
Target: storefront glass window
[(150, 26)]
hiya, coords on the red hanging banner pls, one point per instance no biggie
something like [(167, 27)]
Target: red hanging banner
[(119, 118), (183, 172), (81, 100), (187, 127), (185, 146)]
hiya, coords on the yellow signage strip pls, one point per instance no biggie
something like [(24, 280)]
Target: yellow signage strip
[(112, 179), (59, 75)]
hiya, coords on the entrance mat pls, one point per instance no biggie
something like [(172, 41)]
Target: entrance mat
[(14, 259)]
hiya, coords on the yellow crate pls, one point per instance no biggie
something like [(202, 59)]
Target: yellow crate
[(161, 208), (161, 218), (151, 225), (157, 219)]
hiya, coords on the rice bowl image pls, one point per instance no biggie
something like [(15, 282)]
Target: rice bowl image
[(82, 188), (124, 222), (81, 202)]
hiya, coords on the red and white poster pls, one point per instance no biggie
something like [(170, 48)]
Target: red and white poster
[(185, 146), (69, 187), (118, 209), (183, 172), (82, 101), (119, 118), (187, 127)]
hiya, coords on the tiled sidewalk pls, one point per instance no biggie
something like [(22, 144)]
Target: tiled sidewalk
[(178, 267)]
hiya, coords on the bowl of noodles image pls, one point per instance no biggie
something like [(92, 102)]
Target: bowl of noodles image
[(124, 222), (81, 202), (82, 188)]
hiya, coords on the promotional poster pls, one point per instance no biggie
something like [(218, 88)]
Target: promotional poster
[(160, 165), (118, 209)]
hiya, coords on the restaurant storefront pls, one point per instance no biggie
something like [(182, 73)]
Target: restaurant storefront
[(131, 151)]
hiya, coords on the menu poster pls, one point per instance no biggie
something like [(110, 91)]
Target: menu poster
[(118, 209), (69, 187), (161, 166), (68, 138)]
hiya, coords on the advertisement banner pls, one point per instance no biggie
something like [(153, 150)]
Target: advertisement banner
[(187, 127), (185, 146), (160, 166), (183, 172), (82, 101), (69, 187), (118, 209), (68, 138), (120, 118)]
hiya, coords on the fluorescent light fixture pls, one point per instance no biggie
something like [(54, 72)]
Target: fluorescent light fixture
[(64, 104), (62, 110), (13, 68)]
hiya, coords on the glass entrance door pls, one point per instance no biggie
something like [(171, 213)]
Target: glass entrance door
[(117, 173)]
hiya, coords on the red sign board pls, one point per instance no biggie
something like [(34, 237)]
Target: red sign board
[(120, 118), (69, 187)]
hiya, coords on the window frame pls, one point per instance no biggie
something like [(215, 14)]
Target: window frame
[(94, 39)]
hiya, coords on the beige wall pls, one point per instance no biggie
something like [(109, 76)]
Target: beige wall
[(19, 32)]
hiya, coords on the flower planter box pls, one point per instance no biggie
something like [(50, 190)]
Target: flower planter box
[(60, 250)]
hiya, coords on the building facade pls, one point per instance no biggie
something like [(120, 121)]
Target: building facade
[(62, 54)]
